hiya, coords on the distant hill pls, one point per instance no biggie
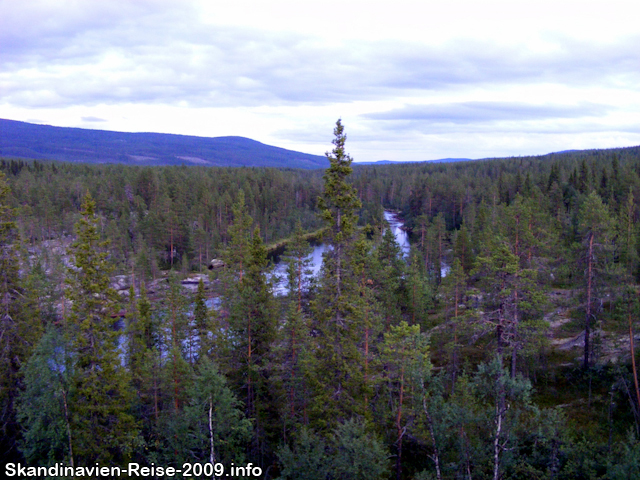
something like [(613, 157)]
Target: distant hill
[(394, 162), (31, 141)]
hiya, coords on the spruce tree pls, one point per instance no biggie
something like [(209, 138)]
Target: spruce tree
[(102, 427), (338, 204), (44, 404), (336, 375)]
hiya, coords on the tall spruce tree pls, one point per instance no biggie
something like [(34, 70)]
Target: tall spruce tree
[(336, 377), (339, 205), (102, 427)]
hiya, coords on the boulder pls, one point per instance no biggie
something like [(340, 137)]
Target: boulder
[(216, 263), (120, 282)]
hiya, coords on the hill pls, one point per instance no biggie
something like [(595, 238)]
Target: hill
[(31, 141), (397, 162)]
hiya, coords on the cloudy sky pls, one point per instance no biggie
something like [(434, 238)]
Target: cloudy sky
[(411, 80)]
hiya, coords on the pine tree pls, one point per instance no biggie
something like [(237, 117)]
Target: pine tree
[(144, 360), (510, 292), (357, 454), (307, 460), (295, 330), (627, 234), (404, 353), (463, 249), (453, 289), (252, 326), (239, 233), (505, 397), (297, 265), (202, 322), (595, 230), (388, 272), (420, 295)]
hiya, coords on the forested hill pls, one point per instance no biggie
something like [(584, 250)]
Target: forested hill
[(26, 140)]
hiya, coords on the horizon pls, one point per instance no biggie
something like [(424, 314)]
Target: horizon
[(354, 161)]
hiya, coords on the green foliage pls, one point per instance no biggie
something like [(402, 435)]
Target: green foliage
[(102, 427), (16, 339), (43, 406), (308, 460), (352, 453), (210, 428), (358, 455), (339, 201)]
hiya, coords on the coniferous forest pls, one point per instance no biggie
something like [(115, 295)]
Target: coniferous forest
[(501, 347)]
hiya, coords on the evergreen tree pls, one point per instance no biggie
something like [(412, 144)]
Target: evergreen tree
[(44, 405), (628, 234), (16, 339), (420, 294), (307, 460), (202, 322), (297, 265), (388, 272), (144, 361), (357, 454), (337, 374), (510, 293), (595, 229), (453, 289), (218, 425), (405, 355), (295, 330), (338, 205), (463, 249), (239, 233), (252, 322), (102, 426), (505, 397)]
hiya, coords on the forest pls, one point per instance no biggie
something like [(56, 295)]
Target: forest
[(501, 348)]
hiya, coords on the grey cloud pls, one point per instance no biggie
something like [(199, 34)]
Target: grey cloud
[(475, 112), (156, 52), (524, 126), (93, 119)]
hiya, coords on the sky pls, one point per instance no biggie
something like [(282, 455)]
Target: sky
[(411, 80)]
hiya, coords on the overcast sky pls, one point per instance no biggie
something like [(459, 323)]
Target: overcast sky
[(411, 80)]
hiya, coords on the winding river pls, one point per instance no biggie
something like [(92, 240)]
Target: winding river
[(315, 257)]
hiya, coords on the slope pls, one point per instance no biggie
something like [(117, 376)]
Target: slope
[(31, 141)]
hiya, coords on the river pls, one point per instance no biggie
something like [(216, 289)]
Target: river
[(279, 273)]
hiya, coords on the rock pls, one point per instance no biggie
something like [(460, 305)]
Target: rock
[(569, 343), (216, 263), (195, 279), (155, 285), (120, 282)]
